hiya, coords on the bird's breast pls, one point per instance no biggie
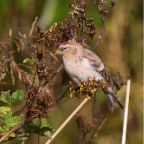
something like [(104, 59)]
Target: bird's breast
[(80, 69)]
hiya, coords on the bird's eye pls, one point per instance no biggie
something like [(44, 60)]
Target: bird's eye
[(65, 48)]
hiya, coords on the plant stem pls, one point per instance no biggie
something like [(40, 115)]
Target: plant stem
[(99, 36), (22, 110), (59, 101), (46, 82), (126, 112), (67, 120), (13, 129)]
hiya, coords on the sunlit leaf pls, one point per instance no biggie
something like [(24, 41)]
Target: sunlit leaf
[(45, 123), (14, 98), (47, 134), (28, 60), (4, 109), (65, 88), (11, 121)]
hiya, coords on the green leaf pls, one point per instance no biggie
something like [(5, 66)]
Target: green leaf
[(10, 100), (45, 123), (3, 113), (29, 126), (8, 122), (16, 112), (5, 97), (6, 129), (4, 109), (37, 121), (11, 121), (43, 131), (27, 60), (21, 135), (1, 129), (65, 88), (2, 76), (47, 134), (12, 134), (33, 59)]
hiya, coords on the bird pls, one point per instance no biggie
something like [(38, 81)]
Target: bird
[(80, 63)]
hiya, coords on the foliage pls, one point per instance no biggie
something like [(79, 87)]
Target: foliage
[(28, 60), (33, 117), (13, 99)]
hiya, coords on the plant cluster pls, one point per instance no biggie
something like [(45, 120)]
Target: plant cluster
[(3, 67), (89, 89), (38, 98)]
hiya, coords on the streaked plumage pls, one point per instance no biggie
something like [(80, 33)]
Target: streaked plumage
[(81, 63)]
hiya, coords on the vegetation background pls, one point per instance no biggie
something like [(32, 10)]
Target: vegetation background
[(120, 49)]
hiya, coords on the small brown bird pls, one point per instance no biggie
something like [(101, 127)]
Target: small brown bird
[(80, 63)]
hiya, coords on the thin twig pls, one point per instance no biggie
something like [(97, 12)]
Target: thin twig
[(83, 137), (23, 134), (95, 2), (91, 38), (58, 70), (99, 126), (67, 120), (93, 110), (126, 112), (61, 96), (59, 101), (46, 82), (81, 29), (34, 76), (16, 44), (95, 5), (79, 133), (33, 26), (99, 36), (35, 116), (22, 110)]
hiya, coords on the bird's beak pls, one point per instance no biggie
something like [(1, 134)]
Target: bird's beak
[(58, 52)]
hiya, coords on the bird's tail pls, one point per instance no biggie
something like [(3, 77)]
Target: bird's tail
[(111, 97)]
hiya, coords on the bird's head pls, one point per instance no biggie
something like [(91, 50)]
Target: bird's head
[(68, 48)]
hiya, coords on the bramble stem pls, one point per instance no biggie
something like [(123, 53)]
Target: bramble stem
[(12, 130), (22, 110)]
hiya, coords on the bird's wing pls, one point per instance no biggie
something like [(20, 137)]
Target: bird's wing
[(97, 64), (106, 74), (93, 59)]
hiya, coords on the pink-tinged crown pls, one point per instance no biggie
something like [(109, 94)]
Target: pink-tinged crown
[(64, 43)]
